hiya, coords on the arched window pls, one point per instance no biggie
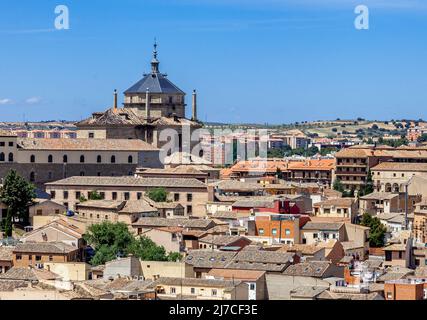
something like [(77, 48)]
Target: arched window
[(388, 187), (2, 156), (32, 176), (98, 159), (50, 158), (33, 158), (82, 159), (130, 159), (113, 159), (11, 157), (65, 158)]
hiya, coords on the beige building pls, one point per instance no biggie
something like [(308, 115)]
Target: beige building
[(420, 222), (46, 160), (153, 270), (192, 194), (392, 176), (46, 208), (126, 211), (345, 208), (200, 289), (380, 203)]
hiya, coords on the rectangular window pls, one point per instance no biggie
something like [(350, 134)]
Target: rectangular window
[(287, 232), (114, 195), (50, 258), (91, 135), (102, 194), (126, 195), (176, 197), (52, 194), (315, 235), (189, 209), (2, 144), (39, 212), (252, 286), (65, 194), (38, 258), (261, 231), (189, 197), (78, 195), (10, 143), (139, 195), (173, 290), (18, 257), (193, 291), (389, 295), (214, 292), (274, 231)]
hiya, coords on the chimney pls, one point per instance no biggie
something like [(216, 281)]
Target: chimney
[(147, 103), (115, 100), (194, 117)]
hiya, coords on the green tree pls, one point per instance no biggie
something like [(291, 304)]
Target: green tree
[(174, 256), (423, 138), (17, 194), (338, 186), (158, 194), (146, 249), (109, 240), (376, 232), (368, 187), (95, 195)]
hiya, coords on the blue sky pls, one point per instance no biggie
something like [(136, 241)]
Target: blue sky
[(264, 61)]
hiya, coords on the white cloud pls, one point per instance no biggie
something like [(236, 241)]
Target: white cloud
[(33, 100), (5, 101)]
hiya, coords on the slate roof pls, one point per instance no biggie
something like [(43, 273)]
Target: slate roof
[(128, 181), (156, 83)]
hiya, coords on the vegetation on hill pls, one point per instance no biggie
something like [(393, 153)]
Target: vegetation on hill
[(112, 240)]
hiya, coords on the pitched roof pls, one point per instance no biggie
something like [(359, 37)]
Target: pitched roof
[(127, 181), (44, 247), (222, 240), (400, 166), (28, 274), (85, 144), (336, 202), (6, 253), (175, 222), (323, 226), (123, 117), (209, 258), (308, 269), (245, 275), (379, 196), (156, 83), (215, 283)]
